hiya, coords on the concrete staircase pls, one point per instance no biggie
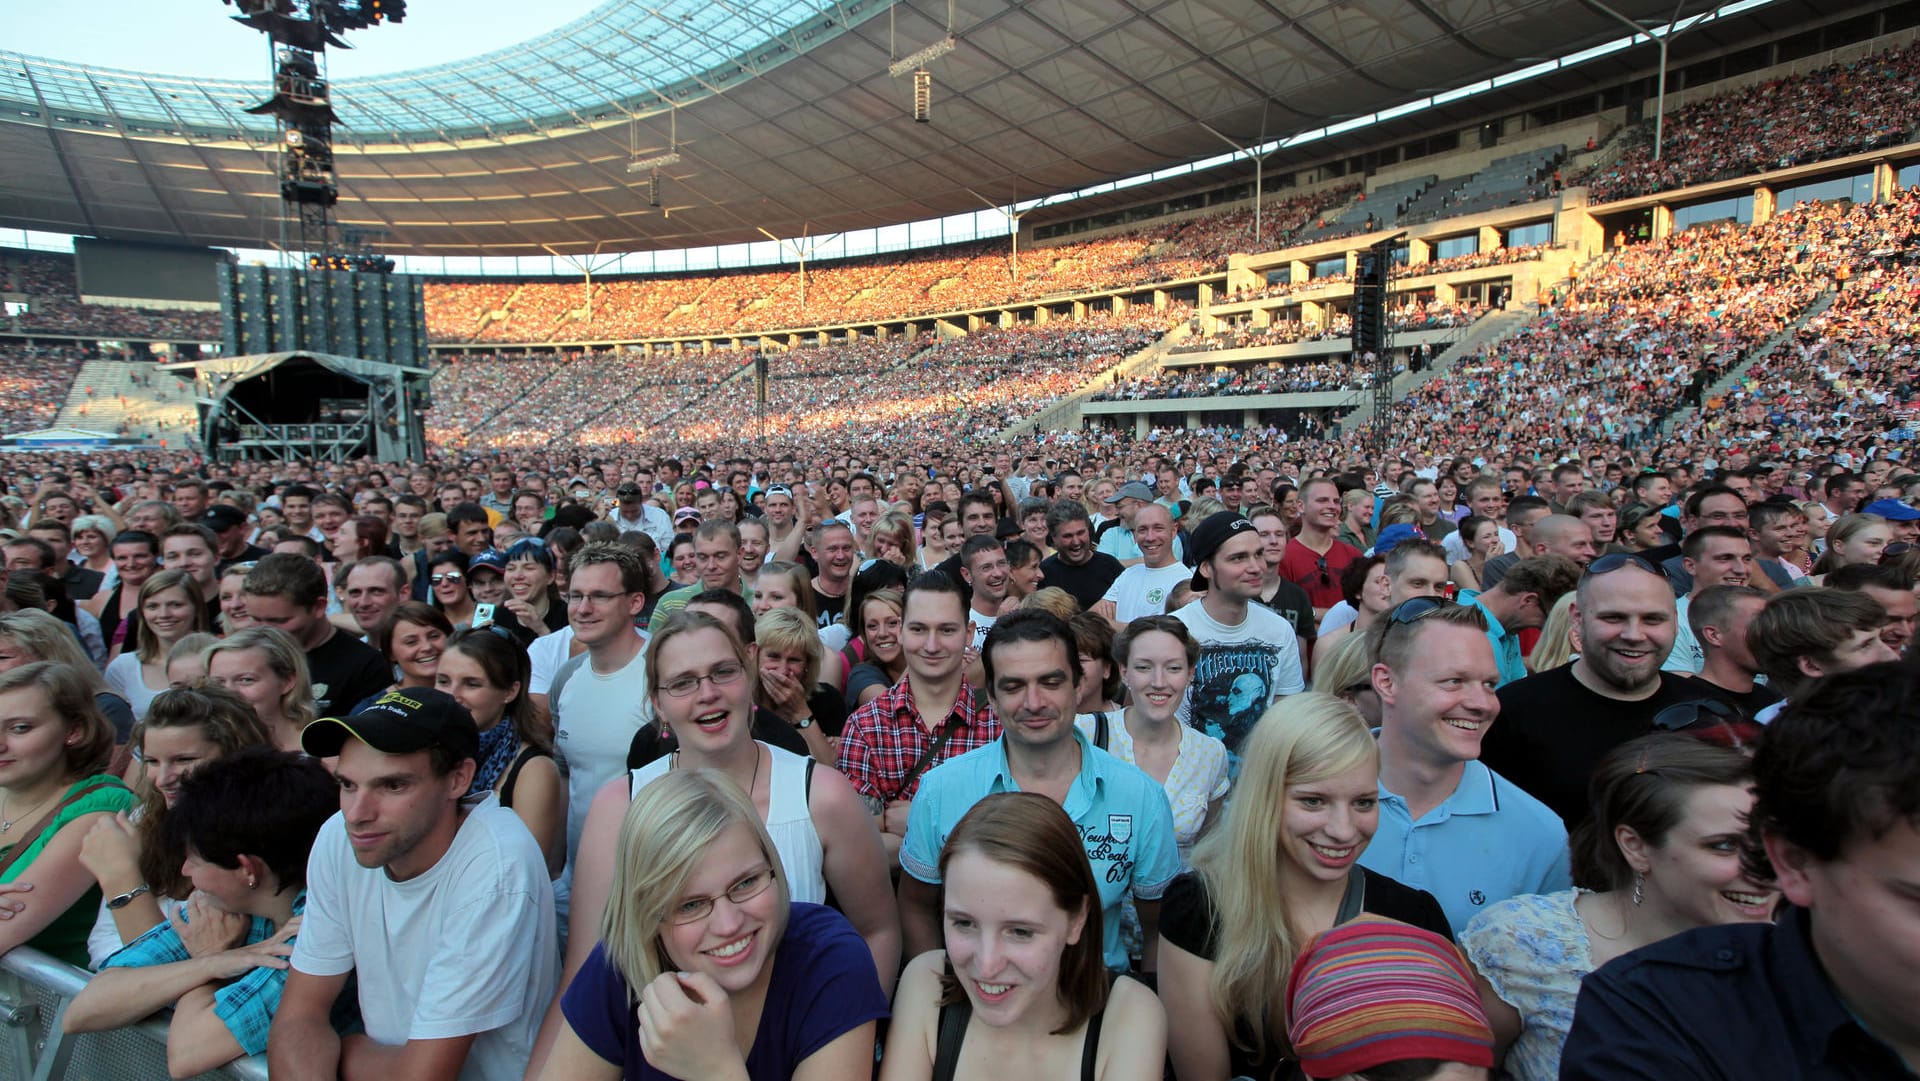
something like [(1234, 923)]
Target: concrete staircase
[(130, 398), (1065, 412), (1681, 418), (1484, 334)]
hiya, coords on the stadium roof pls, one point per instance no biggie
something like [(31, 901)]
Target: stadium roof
[(782, 112)]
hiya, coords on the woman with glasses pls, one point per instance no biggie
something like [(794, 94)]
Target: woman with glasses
[(447, 586), (531, 595), (1281, 867), (705, 964), (268, 669), (787, 657), (1020, 982), (1659, 855), (698, 678), (486, 671)]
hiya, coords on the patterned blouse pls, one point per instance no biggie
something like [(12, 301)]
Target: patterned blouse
[(1533, 949)]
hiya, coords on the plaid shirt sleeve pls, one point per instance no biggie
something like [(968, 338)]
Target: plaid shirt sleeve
[(161, 945), (857, 751), (245, 1006)]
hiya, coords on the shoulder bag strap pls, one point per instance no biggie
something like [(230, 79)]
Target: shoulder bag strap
[(1100, 732), (926, 758), (26, 842), (1354, 901)]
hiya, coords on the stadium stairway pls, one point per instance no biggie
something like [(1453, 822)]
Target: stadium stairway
[(1487, 332), (510, 403), (1065, 413), (1680, 418), (162, 408)]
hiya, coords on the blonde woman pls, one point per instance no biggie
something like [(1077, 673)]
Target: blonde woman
[(787, 657), (1555, 646), (267, 668), (1282, 867), (171, 607), (33, 634), (704, 967)]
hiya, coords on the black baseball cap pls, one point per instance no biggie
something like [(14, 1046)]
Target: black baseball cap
[(1208, 537), (220, 517), (398, 722)]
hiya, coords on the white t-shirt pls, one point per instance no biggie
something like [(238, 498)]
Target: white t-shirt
[(594, 719), (981, 625), (547, 653), (1143, 591), (123, 678), (1241, 671), (1686, 656), (467, 946)]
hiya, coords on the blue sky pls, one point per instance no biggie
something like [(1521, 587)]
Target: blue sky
[(199, 37)]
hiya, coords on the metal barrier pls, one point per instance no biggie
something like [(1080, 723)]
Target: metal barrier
[(34, 992)]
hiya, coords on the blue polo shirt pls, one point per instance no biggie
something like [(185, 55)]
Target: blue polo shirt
[(1506, 647), (1125, 824), (1485, 843)]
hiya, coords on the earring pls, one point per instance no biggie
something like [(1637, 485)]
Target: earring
[(1639, 888), (251, 884)]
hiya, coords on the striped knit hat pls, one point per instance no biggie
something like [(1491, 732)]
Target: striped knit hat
[(1374, 991)]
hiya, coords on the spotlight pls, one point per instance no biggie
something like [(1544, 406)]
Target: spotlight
[(922, 97), (922, 58), (658, 161), (653, 189)]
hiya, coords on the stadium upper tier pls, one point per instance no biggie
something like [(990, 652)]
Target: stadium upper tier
[(784, 116)]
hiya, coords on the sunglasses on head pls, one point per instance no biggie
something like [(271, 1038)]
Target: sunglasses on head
[(1608, 564), (1709, 720)]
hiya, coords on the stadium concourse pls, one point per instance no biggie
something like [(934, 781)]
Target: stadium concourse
[(1066, 615)]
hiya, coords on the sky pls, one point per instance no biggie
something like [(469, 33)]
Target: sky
[(199, 37)]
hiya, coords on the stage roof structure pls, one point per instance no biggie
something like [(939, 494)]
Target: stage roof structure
[(783, 116)]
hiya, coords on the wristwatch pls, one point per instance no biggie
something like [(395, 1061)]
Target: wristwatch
[(125, 899), (804, 722)]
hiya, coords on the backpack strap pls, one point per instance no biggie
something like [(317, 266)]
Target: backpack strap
[(1090, 1050)]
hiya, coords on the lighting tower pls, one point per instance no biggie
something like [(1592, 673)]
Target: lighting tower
[(298, 33)]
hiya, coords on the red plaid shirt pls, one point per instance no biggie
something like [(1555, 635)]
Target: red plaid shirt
[(885, 737)]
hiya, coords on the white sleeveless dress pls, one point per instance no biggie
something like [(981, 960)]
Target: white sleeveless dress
[(789, 822)]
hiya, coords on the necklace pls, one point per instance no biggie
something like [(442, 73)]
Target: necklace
[(7, 824), (674, 763)]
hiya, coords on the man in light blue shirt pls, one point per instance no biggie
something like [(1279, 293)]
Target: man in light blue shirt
[(1522, 600), (1448, 824), (1125, 823)]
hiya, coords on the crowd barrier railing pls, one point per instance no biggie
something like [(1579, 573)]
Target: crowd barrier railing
[(35, 990)]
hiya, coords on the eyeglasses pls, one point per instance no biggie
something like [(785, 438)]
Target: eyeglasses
[(449, 576), (1609, 564), (724, 674), (695, 909), (596, 598)]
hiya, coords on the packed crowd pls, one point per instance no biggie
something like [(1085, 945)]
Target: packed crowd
[(1838, 110), (1188, 756), (34, 381), (53, 305), (881, 287), (1273, 377), (1644, 331)]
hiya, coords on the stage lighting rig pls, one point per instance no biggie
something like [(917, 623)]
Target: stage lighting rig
[(922, 58)]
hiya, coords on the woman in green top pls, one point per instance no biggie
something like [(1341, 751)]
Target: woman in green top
[(54, 785)]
